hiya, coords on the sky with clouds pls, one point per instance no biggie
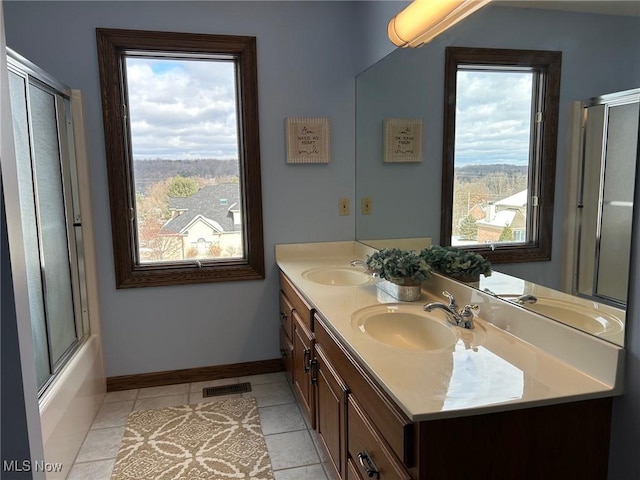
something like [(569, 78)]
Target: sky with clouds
[(185, 109), (182, 109), (493, 117)]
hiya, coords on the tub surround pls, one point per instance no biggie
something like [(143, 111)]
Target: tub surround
[(522, 360)]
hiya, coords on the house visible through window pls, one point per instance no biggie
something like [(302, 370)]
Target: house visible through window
[(185, 176), (184, 145)]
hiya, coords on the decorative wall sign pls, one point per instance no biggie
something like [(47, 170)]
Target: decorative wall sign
[(307, 139), (402, 140)]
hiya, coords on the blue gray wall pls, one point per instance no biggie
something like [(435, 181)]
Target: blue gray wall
[(306, 67)]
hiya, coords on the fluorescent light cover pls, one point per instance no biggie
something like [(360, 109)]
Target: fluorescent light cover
[(423, 20)]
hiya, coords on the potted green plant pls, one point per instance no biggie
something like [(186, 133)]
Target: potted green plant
[(456, 263), (401, 272)]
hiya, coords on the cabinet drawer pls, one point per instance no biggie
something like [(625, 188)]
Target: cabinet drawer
[(286, 317), (368, 451), (299, 304)]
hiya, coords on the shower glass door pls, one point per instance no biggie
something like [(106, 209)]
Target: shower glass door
[(41, 120), (606, 206)]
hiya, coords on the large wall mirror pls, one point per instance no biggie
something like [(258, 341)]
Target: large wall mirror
[(599, 56)]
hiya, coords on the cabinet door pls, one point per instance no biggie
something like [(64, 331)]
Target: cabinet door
[(331, 395), (286, 319), (286, 350), (302, 354)]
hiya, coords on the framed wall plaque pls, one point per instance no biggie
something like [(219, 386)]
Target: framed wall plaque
[(307, 139), (402, 140)]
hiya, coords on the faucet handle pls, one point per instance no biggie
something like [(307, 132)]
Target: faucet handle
[(466, 311), (466, 316), (452, 300)]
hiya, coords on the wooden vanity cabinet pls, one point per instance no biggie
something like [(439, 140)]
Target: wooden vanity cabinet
[(286, 335), (373, 424), (303, 344), (297, 338), (568, 440), (331, 398)]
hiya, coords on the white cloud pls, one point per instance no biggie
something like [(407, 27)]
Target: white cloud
[(493, 112), (182, 109)]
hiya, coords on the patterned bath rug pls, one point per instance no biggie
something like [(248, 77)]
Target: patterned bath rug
[(206, 441)]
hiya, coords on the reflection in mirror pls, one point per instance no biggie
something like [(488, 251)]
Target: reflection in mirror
[(609, 126), (409, 83), (503, 148)]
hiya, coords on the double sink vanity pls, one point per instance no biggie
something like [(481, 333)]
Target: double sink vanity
[(397, 392)]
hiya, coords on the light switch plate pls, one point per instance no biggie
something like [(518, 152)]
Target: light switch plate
[(366, 206), (343, 206)]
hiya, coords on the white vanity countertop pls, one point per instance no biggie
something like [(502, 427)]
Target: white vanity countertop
[(504, 372)]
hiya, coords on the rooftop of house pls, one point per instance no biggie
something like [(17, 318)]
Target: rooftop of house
[(213, 203), (502, 218), (516, 200)]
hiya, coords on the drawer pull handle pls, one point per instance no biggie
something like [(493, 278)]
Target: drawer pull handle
[(368, 465), (283, 352), (283, 316), (307, 363), (314, 371)]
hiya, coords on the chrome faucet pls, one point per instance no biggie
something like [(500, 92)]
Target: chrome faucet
[(363, 264), (358, 263), (521, 300), (460, 317)]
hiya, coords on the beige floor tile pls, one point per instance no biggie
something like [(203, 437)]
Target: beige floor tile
[(198, 386), (101, 444), (121, 395), (163, 391), (113, 414), (161, 402), (310, 472), (291, 449), (265, 378), (271, 394), (99, 470), (281, 418)]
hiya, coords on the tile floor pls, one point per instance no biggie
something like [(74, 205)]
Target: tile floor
[(292, 446)]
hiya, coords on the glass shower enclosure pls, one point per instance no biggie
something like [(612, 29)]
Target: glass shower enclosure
[(50, 215)]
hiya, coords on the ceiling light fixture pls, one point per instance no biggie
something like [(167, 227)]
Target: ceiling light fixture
[(422, 20)]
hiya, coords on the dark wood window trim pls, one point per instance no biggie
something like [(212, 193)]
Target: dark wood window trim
[(543, 174), (112, 47)]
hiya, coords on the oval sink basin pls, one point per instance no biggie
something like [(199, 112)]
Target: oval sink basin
[(590, 320), (337, 276), (405, 326)]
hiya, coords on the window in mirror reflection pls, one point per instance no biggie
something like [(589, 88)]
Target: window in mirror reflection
[(500, 132)]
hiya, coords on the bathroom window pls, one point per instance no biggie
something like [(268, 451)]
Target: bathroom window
[(500, 134), (181, 135)]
